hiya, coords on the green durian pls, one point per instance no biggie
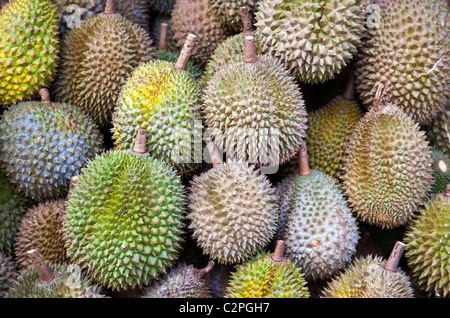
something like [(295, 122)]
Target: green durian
[(8, 273), (441, 171), (29, 48)]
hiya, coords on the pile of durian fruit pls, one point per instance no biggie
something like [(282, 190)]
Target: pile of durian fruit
[(224, 149)]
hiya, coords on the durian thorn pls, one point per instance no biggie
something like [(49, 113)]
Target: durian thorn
[(394, 258), (216, 159), (186, 52), (247, 25), (140, 143), (249, 50), (207, 269), (45, 275), (349, 92), (162, 44), (278, 253), (303, 163)]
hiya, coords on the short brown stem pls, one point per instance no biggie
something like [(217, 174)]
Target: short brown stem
[(394, 259), (303, 160), (109, 7), (278, 254), (140, 143), (207, 269), (45, 275), (162, 44), (216, 159), (247, 25), (249, 50), (447, 191), (186, 52)]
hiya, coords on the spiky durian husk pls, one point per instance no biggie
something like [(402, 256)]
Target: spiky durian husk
[(3, 2), (441, 171), (73, 12), (96, 60), (123, 219), (29, 48), (387, 169), (366, 278), (233, 211), (329, 130), (162, 6), (42, 146), (438, 131), (314, 39), (41, 229), (155, 32), (261, 277), (319, 229), (172, 57), (165, 102), (255, 111), (70, 282), (227, 12), (427, 247), (8, 273), (408, 52), (183, 281), (194, 16)]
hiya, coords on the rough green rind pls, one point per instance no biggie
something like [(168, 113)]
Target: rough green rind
[(438, 132), (387, 167), (29, 47), (233, 212), (441, 171), (8, 273), (261, 277), (255, 111), (427, 247), (317, 225), (227, 12), (314, 39), (407, 52), (123, 221), (42, 146), (366, 278)]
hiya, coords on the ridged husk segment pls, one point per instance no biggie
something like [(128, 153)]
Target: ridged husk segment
[(194, 16), (96, 60), (255, 111), (427, 247), (387, 167), (41, 229), (317, 225), (123, 219), (70, 282), (43, 145), (438, 131), (365, 277), (441, 171), (314, 39), (328, 133), (408, 52), (29, 48), (165, 102), (8, 273), (262, 277), (227, 12), (233, 212)]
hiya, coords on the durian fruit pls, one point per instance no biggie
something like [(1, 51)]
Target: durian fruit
[(8, 273), (13, 207), (268, 276), (228, 12), (96, 60), (232, 210), (407, 51), (314, 39), (194, 16), (329, 131), (43, 144), (44, 280), (387, 166), (73, 12), (123, 218), (164, 99), (372, 277), (254, 109), (183, 281), (317, 225), (438, 132), (29, 47), (41, 229), (441, 171), (427, 246), (162, 6)]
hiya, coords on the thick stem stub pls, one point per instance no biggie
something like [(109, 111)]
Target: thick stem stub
[(140, 143), (216, 159), (162, 44), (207, 269), (394, 259), (249, 50), (447, 191), (303, 161), (45, 275), (186, 52), (247, 25), (278, 254)]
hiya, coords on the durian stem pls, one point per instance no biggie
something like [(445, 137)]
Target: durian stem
[(207, 269), (447, 191), (162, 44), (249, 50), (349, 92), (45, 96), (109, 7), (303, 163), (247, 25), (45, 275), (394, 259), (186, 52), (278, 254), (213, 152), (141, 142)]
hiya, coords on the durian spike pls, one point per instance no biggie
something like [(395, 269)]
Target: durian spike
[(249, 50), (447, 191), (140, 143), (395, 256), (213, 152), (278, 253), (247, 25), (186, 52), (349, 92), (45, 275), (207, 269), (162, 44), (303, 163)]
